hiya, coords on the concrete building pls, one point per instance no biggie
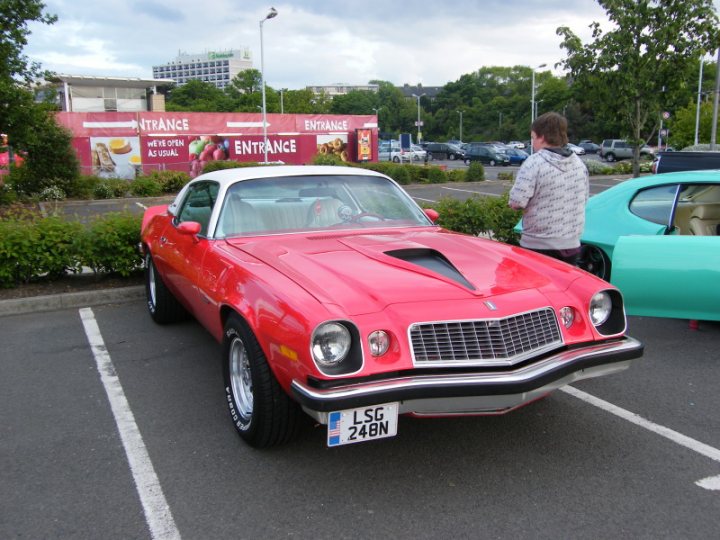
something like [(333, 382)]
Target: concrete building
[(82, 93), (217, 68), (339, 89)]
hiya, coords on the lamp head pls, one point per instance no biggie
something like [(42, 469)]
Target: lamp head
[(272, 13)]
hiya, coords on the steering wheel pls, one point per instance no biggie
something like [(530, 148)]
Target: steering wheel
[(358, 218)]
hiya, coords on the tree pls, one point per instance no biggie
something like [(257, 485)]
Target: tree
[(631, 72), (49, 156), (247, 81), (198, 96)]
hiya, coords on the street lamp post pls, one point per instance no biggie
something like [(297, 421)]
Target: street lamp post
[(418, 120), (272, 13), (532, 98), (282, 104), (699, 97), (377, 113), (460, 113)]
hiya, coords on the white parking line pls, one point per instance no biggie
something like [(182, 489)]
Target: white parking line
[(471, 191), (426, 200), (712, 482), (157, 512), (141, 205)]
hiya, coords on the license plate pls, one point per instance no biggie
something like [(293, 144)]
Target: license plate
[(362, 424)]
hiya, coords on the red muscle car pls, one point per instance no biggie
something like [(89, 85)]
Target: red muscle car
[(335, 295)]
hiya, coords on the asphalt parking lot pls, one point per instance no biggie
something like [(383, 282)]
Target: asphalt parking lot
[(114, 427)]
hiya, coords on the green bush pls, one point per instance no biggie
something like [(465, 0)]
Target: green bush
[(622, 167), (598, 167), (436, 175), (52, 193), (32, 247), (327, 159), (103, 191), (211, 166), (400, 174), (480, 215), (417, 173), (145, 186), (7, 195), (170, 181), (119, 187), (475, 172), (55, 248), (109, 244), (455, 175), (383, 167), (83, 187)]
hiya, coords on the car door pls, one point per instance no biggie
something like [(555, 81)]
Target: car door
[(180, 255), (675, 276)]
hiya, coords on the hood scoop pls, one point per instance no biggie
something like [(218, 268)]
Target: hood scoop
[(431, 260)]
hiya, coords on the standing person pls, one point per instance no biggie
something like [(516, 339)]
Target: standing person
[(552, 189)]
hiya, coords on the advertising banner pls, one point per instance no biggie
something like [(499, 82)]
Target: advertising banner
[(126, 144), (364, 144)]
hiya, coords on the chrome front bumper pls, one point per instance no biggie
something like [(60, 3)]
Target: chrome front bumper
[(472, 393)]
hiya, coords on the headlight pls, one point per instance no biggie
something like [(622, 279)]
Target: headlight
[(379, 342), (567, 316), (600, 308), (330, 344)]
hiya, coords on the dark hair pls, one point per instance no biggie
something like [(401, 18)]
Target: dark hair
[(552, 127)]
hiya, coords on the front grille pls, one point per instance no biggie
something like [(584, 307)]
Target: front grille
[(486, 342)]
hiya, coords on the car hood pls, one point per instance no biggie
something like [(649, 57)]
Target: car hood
[(365, 273)]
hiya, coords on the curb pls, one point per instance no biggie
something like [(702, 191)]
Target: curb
[(34, 304)]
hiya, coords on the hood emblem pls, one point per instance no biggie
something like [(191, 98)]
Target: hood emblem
[(490, 305)]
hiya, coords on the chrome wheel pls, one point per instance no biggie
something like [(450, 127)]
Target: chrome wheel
[(241, 378), (152, 286)]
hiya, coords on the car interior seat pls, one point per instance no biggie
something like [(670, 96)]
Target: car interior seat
[(239, 217), (324, 212), (705, 220)]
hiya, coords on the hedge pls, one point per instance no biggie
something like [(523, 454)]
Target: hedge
[(34, 247)]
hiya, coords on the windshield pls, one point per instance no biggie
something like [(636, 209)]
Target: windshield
[(312, 203)]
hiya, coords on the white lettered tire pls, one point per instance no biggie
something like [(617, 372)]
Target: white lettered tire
[(163, 307), (261, 411)]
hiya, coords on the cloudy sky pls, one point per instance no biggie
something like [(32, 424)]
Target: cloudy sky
[(311, 42)]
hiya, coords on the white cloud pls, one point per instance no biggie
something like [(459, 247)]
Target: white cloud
[(311, 42)]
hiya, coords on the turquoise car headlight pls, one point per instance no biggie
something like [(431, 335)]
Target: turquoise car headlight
[(330, 344), (600, 308)]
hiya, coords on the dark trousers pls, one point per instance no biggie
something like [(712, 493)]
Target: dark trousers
[(570, 256)]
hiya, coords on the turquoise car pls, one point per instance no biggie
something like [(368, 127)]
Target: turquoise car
[(657, 239)]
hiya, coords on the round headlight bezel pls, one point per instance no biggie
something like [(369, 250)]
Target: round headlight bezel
[(330, 344), (600, 308), (378, 342)]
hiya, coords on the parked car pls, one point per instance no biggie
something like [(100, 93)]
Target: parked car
[(589, 146), (671, 161), (579, 150), (333, 293), (517, 156), (418, 153), (391, 151), (444, 151), (516, 144), (485, 153), (614, 149), (656, 238)]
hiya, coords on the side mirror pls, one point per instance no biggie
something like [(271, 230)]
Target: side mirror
[(432, 214), (191, 228)]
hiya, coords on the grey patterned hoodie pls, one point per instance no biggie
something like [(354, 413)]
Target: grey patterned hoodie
[(552, 188)]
